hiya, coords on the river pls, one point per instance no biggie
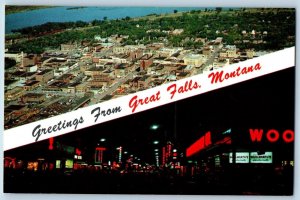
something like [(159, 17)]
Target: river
[(65, 14)]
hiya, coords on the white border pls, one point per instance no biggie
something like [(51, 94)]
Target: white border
[(207, 3)]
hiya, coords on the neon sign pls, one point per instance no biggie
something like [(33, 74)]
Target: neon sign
[(99, 154), (199, 145), (272, 135)]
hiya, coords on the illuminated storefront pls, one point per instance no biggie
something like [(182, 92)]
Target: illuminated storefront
[(243, 149), (44, 156)]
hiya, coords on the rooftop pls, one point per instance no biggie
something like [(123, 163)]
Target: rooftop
[(121, 66), (30, 66), (58, 84), (57, 60), (64, 76), (96, 69), (31, 83), (33, 95), (18, 73), (181, 67), (27, 74), (183, 74), (9, 81), (194, 56), (44, 71), (74, 84), (14, 107), (136, 79)]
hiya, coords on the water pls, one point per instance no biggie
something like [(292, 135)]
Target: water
[(63, 14)]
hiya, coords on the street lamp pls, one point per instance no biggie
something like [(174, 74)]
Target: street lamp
[(155, 142), (102, 140), (154, 127)]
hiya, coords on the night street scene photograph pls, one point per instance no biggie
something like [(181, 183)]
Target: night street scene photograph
[(237, 140)]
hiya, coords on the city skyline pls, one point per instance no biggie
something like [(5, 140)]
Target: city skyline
[(47, 80)]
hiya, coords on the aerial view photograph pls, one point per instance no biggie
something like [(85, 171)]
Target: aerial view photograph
[(237, 140)]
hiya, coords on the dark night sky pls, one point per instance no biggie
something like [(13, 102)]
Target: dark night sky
[(266, 102)]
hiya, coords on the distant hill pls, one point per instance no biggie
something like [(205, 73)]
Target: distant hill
[(16, 9)]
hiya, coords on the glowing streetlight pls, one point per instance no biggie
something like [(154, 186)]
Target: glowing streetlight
[(155, 149), (154, 127), (102, 140), (155, 142)]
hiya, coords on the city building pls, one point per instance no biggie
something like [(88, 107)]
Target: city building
[(31, 85), (82, 88), (14, 111), (177, 31), (65, 78), (45, 75), (229, 51), (14, 94), (29, 59), (94, 71), (11, 83), (17, 56), (146, 61), (194, 59), (33, 98), (121, 70), (30, 68), (27, 76), (68, 47), (206, 51)]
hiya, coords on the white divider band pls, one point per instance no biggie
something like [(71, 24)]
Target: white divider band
[(151, 98)]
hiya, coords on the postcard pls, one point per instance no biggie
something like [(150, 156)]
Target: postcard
[(149, 100)]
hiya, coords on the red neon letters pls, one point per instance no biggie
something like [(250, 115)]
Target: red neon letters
[(272, 135)]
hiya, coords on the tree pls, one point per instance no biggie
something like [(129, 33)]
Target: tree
[(9, 63), (218, 9), (175, 11)]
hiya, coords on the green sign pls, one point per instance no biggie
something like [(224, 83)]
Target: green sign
[(267, 157)]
